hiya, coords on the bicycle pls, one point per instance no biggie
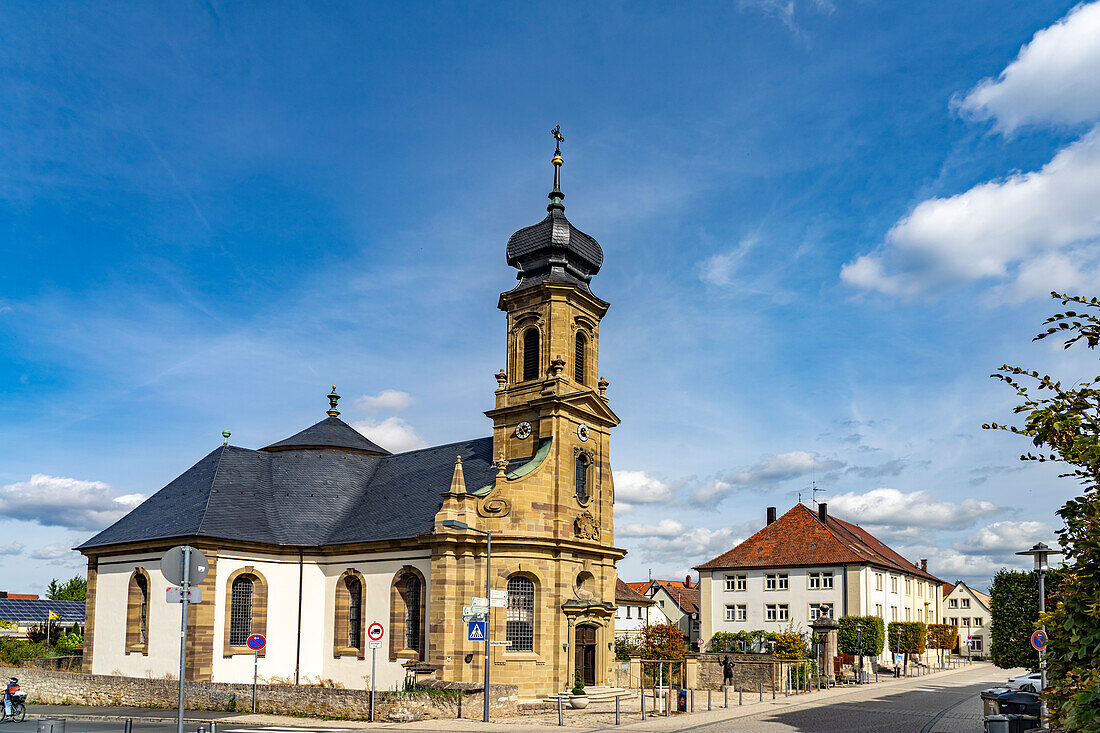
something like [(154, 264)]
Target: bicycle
[(18, 709)]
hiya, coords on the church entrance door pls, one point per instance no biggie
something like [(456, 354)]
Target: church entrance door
[(585, 644)]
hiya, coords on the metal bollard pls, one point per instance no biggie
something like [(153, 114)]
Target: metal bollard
[(668, 697), (740, 690), (876, 675), (773, 688), (561, 718), (643, 704), (726, 696), (616, 710), (213, 727), (128, 726), (708, 701), (691, 699), (761, 686)]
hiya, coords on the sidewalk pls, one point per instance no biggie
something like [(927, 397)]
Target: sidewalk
[(589, 719)]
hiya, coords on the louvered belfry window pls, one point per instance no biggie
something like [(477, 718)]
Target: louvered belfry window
[(412, 613), (578, 362), (582, 478), (520, 631), (355, 609), (240, 613), (530, 354)]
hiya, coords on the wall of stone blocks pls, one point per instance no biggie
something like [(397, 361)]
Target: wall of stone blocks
[(61, 688), (749, 671)]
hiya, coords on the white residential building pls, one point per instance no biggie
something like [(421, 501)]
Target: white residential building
[(633, 611), (968, 609), (806, 564)]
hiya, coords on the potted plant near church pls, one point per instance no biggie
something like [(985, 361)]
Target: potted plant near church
[(578, 700)]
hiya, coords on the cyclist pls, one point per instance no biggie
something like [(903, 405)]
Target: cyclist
[(11, 689)]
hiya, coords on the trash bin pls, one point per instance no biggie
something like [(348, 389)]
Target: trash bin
[(989, 700), (1019, 703), (995, 723), (682, 701), (51, 725)]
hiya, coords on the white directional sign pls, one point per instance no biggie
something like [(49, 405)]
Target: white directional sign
[(473, 617), (479, 601), (174, 594), (497, 602), (474, 610), (498, 594)]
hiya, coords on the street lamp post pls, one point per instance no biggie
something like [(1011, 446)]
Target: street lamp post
[(455, 524), (1040, 552)]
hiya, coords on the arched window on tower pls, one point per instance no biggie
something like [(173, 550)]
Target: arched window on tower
[(579, 361), (137, 613), (240, 619), (582, 478), (520, 629), (530, 354)]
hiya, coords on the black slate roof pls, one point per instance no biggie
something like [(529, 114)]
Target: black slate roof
[(554, 251), (305, 497), (332, 432)]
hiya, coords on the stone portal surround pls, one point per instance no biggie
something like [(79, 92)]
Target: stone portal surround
[(61, 688)]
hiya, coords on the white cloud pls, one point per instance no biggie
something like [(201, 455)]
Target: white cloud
[(1005, 538), (56, 551), (66, 502), (388, 400), (765, 473), (12, 548), (994, 228), (638, 487), (393, 434), (1033, 231), (664, 528), (892, 508), (690, 545), (720, 269), (1054, 78)]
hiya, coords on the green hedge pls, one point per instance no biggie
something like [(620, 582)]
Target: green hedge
[(744, 642), (913, 637), (870, 637), (1014, 607)]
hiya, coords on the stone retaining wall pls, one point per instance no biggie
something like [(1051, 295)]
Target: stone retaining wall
[(60, 664), (61, 688), (749, 671)]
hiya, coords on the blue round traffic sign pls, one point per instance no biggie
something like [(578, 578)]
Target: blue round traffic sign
[(1039, 640), (256, 642)]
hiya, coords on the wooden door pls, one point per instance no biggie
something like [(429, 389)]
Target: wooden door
[(585, 655)]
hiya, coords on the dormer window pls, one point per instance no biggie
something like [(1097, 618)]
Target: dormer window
[(579, 360), (530, 354)]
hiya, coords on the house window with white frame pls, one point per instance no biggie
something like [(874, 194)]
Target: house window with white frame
[(770, 612), (966, 603), (820, 610), (893, 613), (966, 621), (953, 603), (976, 644), (784, 581), (814, 580), (908, 586), (878, 581), (977, 620), (878, 610), (907, 612), (770, 581), (784, 612), (731, 613), (736, 582), (893, 584), (827, 580)]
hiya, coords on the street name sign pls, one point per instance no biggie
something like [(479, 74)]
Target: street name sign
[(498, 642)]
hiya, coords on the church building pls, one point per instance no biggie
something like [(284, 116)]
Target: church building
[(314, 537)]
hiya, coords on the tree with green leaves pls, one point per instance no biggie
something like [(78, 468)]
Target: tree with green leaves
[(942, 636), (1014, 614), (1063, 423), (74, 589), (907, 637), (860, 635)]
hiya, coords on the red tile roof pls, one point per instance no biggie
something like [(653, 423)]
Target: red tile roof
[(686, 598), (800, 538), (625, 594)]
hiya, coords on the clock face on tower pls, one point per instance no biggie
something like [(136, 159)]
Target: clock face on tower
[(582, 432), (523, 430)]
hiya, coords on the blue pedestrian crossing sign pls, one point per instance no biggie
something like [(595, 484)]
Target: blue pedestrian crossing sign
[(475, 631)]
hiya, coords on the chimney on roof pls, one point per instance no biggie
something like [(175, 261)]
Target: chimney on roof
[(771, 514), (687, 581), (924, 565), (823, 512)]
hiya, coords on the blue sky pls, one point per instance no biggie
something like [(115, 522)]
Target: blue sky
[(824, 225)]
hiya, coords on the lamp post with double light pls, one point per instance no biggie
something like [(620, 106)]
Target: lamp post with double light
[(1040, 553), (455, 524)]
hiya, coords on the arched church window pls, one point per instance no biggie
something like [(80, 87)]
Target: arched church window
[(240, 618), (582, 465), (530, 354), (520, 629), (137, 613), (143, 612), (412, 613), (355, 611), (579, 360)]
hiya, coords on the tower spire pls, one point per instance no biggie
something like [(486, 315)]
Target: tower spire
[(333, 398), (556, 195)]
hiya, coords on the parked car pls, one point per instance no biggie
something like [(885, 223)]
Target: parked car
[(1030, 682)]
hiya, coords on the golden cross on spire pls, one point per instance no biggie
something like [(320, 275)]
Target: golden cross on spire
[(556, 132), (556, 195)]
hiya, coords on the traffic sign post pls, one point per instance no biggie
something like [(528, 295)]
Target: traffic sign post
[(375, 632), (255, 642), (183, 565)]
